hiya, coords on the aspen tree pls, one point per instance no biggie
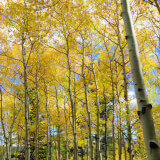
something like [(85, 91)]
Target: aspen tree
[(113, 97), (144, 107), (15, 115), (3, 128), (27, 142), (48, 122), (86, 99), (98, 156), (58, 127), (106, 128), (71, 100), (66, 127), (37, 118), (129, 138), (124, 144), (120, 115)]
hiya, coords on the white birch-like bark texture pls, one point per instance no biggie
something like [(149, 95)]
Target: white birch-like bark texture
[(144, 108)]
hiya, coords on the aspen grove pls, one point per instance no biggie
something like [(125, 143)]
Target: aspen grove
[(79, 80)]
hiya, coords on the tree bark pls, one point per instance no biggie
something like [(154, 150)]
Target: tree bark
[(66, 128), (113, 108), (37, 119), (106, 128), (27, 142), (124, 146), (48, 122), (98, 156), (144, 108), (120, 116), (72, 104), (58, 127), (74, 112), (3, 128), (87, 103), (129, 136), (113, 99)]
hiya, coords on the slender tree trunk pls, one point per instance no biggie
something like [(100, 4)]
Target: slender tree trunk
[(11, 128), (124, 145), (55, 145), (27, 142), (106, 128), (18, 142), (72, 104), (58, 127), (87, 104), (113, 99), (120, 118), (113, 108), (98, 113), (48, 122), (129, 137), (50, 142), (7, 148), (113, 105), (87, 155), (3, 127), (10, 146), (74, 112), (66, 128), (2, 152), (144, 108), (37, 119)]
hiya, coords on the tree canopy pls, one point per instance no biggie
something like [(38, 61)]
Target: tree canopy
[(66, 84)]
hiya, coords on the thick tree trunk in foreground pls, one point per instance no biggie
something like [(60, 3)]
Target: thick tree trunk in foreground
[(27, 143), (144, 108)]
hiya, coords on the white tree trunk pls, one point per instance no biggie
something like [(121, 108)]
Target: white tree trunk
[(27, 142), (87, 104), (66, 128), (58, 127), (48, 157), (144, 108), (37, 119), (72, 103), (98, 149)]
